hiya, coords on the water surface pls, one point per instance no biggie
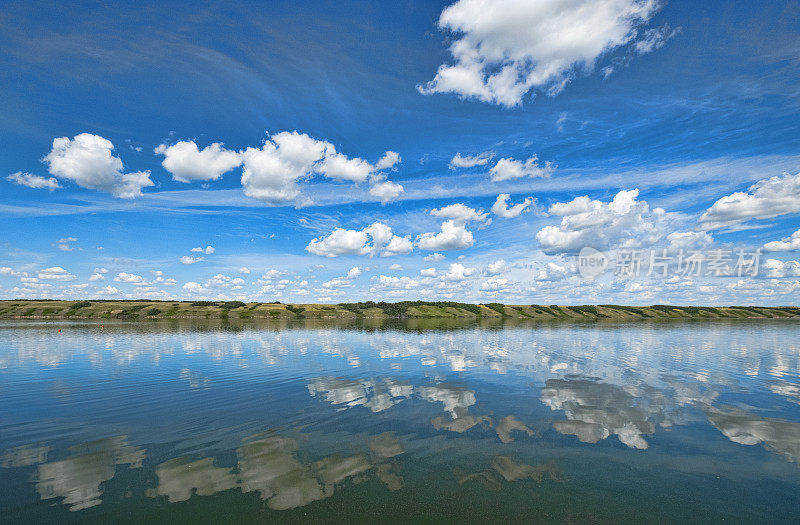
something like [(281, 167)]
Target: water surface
[(652, 422)]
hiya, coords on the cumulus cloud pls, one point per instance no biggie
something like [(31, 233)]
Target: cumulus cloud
[(458, 272), (56, 273), (765, 199), (453, 236), (65, 244), (375, 239), (784, 245), (551, 272), (689, 240), (193, 287), (124, 277), (33, 181), (223, 281), (625, 221), (386, 191), (497, 267), (428, 272), (434, 257), (397, 283), (502, 209), (98, 274), (470, 161), (188, 259), (776, 269), (460, 213), (208, 250), (354, 272), (271, 173), (506, 48), (88, 161), (508, 168), (187, 163), (389, 160), (494, 285)]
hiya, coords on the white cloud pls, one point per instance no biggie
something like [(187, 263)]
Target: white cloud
[(497, 267), (340, 167), (88, 161), (193, 287), (33, 181), (124, 277), (389, 160), (508, 168), (624, 221), (396, 267), (56, 273), (506, 48), (271, 173), (653, 39), (784, 245), (208, 250), (98, 274), (453, 236), (495, 284), (187, 163), (470, 161), (386, 191), (502, 209), (689, 240), (270, 275), (434, 257), (65, 244), (336, 283), (340, 242), (188, 259), (460, 213), (108, 290), (552, 272), (224, 281), (354, 272), (397, 283), (428, 272), (765, 199), (776, 269), (357, 242), (458, 272), (245, 270), (5, 270)]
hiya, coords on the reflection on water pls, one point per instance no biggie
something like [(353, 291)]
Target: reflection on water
[(597, 410), (583, 423), (77, 478)]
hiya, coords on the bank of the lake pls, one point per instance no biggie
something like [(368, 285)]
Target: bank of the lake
[(237, 310)]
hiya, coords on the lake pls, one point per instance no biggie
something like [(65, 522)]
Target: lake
[(169, 422)]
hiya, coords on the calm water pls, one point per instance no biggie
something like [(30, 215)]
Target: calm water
[(553, 423)]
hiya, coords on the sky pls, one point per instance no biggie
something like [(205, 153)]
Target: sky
[(349, 151)]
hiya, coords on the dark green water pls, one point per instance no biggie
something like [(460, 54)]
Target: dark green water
[(673, 422)]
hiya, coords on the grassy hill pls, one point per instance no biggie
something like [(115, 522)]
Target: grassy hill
[(236, 310)]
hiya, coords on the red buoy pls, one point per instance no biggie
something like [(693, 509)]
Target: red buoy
[(59, 330)]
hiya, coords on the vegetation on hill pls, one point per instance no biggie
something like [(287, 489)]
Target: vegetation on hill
[(228, 310)]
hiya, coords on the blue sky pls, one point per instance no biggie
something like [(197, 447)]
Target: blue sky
[(693, 105)]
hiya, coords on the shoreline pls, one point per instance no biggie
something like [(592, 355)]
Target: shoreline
[(42, 310)]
